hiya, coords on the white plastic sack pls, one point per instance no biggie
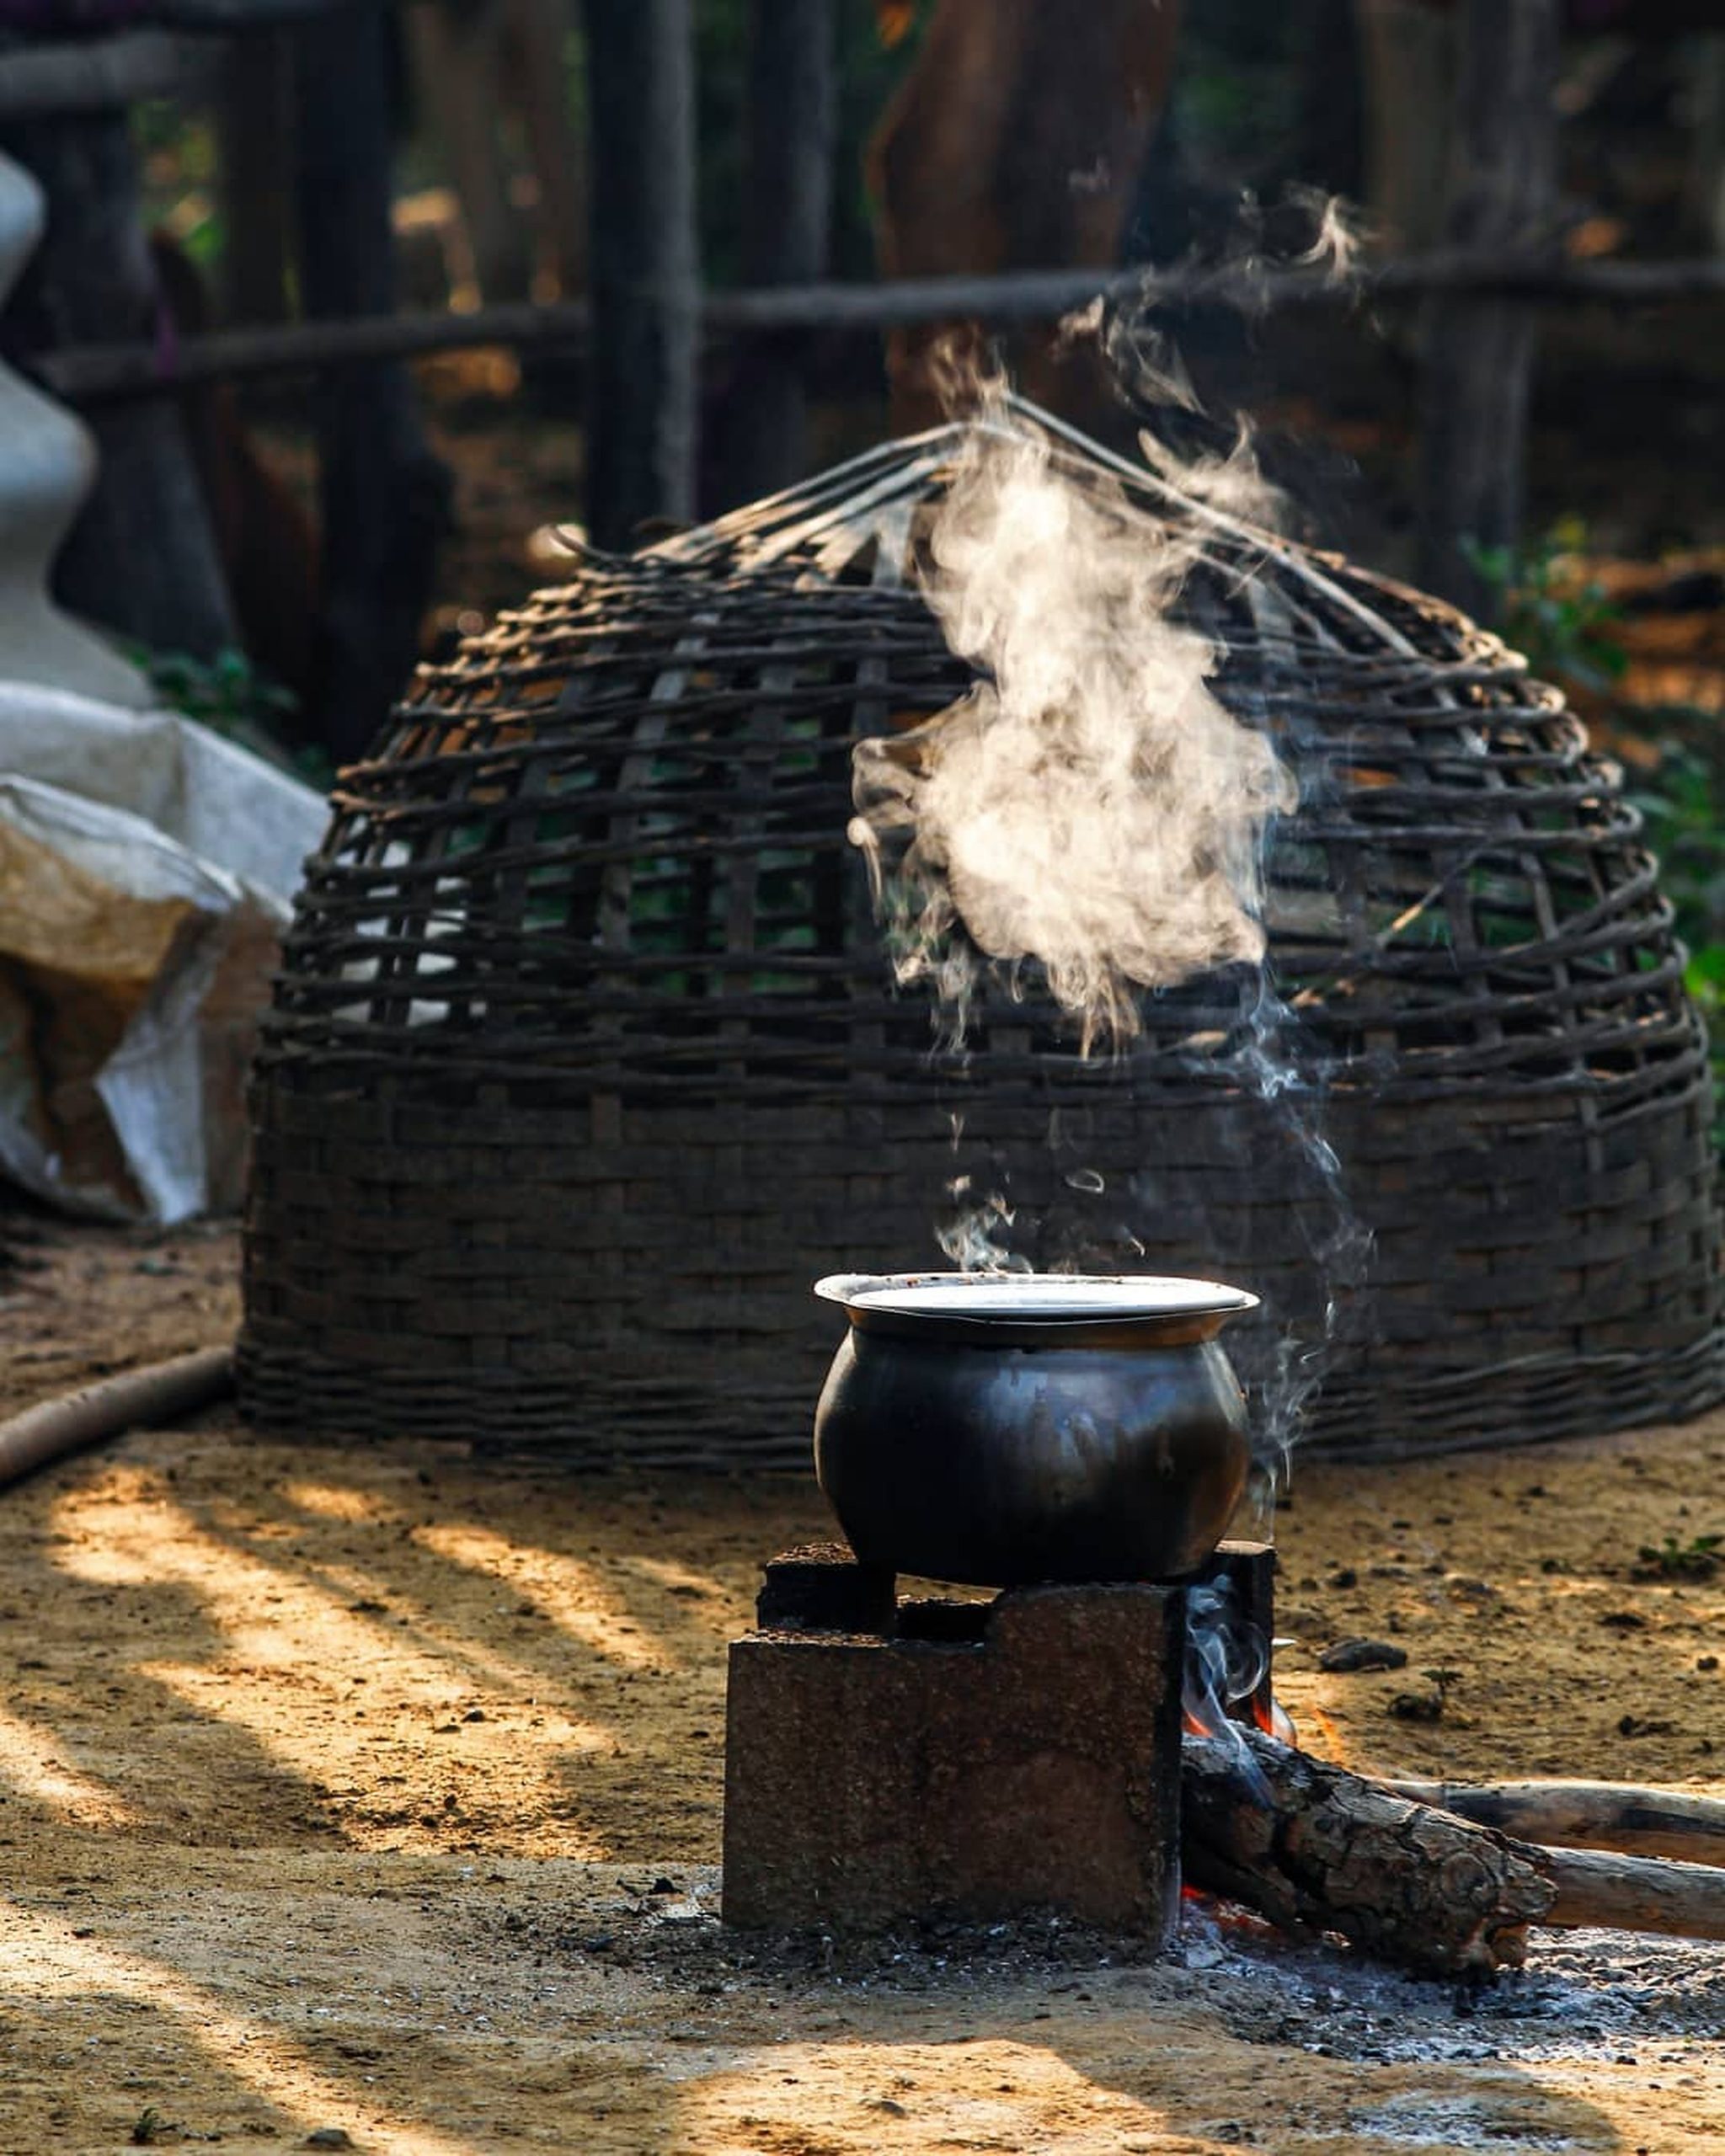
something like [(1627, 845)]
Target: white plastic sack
[(219, 802), (145, 868)]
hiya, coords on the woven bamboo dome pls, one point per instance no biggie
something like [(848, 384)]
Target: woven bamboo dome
[(585, 1060)]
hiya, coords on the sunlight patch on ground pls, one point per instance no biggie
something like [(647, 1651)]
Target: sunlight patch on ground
[(982, 2095), (328, 1501), (42, 1957), (34, 1765), (687, 1584), (467, 1660), (569, 1593), (275, 1620), (269, 1614)]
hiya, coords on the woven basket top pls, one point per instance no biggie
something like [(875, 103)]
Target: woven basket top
[(605, 845)]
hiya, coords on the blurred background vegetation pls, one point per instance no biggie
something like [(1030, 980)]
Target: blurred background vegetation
[(1619, 594)]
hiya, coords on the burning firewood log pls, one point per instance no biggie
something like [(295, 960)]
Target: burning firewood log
[(1314, 1848)]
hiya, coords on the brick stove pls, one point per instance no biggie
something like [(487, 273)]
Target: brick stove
[(889, 1756)]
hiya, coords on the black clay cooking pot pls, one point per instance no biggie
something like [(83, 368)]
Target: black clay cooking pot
[(1002, 1429)]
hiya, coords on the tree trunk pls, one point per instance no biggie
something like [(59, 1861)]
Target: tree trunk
[(643, 266), (384, 495), (536, 32), (141, 560), (455, 52), (1703, 184), (788, 205), (1332, 107), (1408, 66), (1477, 365)]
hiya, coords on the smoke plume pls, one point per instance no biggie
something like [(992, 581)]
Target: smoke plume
[(1090, 810)]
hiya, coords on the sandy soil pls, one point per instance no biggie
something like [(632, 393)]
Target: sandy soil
[(377, 1793)]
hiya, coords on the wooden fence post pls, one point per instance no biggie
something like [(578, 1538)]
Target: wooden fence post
[(255, 132), (384, 495), (792, 121), (643, 266), (1478, 364)]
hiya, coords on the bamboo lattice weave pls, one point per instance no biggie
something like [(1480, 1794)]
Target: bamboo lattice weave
[(584, 1061)]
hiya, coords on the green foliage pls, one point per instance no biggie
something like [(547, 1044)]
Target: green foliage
[(1683, 807), (226, 693), (230, 696), (1566, 629), (1698, 1559), (177, 160)]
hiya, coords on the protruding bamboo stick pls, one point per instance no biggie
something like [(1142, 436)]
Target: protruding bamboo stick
[(55, 1427), (1620, 1815)]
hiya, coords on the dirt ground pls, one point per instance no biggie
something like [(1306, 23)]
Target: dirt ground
[(376, 1793)]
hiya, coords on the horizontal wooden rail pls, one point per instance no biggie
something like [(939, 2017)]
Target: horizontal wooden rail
[(153, 51), (84, 19), (91, 374), (99, 373), (1028, 295), (100, 75)]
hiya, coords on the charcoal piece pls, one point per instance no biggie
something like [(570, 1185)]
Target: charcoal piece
[(1351, 1655), (819, 1587)]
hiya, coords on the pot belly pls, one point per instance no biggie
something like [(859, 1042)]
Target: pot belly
[(1003, 1466)]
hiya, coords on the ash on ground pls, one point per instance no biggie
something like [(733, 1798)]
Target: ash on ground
[(1601, 1994)]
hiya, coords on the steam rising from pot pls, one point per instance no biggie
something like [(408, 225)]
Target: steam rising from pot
[(1090, 806), (1092, 812)]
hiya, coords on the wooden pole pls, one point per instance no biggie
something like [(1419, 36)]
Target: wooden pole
[(454, 51), (643, 267), (91, 373), (158, 1393), (1407, 51), (235, 18), (384, 496), (100, 75), (534, 35), (1620, 1816), (791, 124), (1478, 364), (254, 130)]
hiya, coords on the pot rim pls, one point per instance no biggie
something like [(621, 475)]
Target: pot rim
[(1090, 1309)]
